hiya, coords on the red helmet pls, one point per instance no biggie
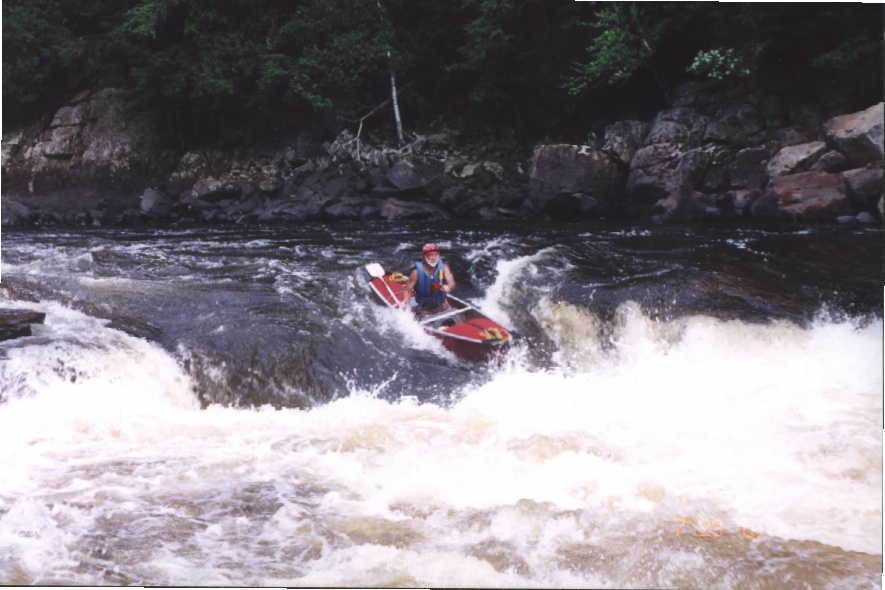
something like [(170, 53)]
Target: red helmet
[(428, 248)]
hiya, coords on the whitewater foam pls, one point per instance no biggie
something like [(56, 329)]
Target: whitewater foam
[(671, 434)]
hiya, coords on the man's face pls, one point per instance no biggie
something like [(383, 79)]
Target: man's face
[(432, 257)]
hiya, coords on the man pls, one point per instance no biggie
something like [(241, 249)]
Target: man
[(431, 280)]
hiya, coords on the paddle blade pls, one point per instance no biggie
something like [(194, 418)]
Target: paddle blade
[(375, 270)]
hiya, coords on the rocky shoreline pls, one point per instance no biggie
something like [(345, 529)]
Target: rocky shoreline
[(710, 156)]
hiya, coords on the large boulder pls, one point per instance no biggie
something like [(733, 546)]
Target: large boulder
[(93, 142), (624, 138), (748, 168), (865, 184), (734, 124), (806, 196), (393, 209), (665, 172), (408, 175), (795, 158), (352, 207), (16, 323), (831, 161), (678, 126), (858, 135), (569, 172)]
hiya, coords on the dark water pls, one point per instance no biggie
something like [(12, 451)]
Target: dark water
[(284, 311)]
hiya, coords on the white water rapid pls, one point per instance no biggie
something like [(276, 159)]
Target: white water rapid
[(691, 453)]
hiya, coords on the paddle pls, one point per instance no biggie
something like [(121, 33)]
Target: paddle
[(376, 271)]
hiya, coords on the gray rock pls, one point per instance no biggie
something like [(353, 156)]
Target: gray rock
[(734, 124), (624, 138), (404, 176), (14, 212), (741, 200), (213, 190), (831, 161), (748, 169), (795, 158), (858, 135), (716, 177), (663, 171), (352, 208), (393, 209), (408, 175), (155, 203), (11, 143), (16, 323), (62, 143), (865, 184), (866, 217), (808, 196), (74, 114), (564, 169), (677, 126), (787, 136)]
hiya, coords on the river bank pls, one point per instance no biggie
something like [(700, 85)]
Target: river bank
[(713, 155)]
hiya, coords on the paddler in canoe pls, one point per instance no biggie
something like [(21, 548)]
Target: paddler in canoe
[(430, 281)]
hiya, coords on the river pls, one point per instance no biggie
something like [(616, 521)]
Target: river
[(685, 407)]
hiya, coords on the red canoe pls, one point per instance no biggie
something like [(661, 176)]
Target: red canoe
[(463, 329)]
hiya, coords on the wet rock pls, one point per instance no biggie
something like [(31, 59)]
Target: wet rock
[(62, 143), (788, 136), (663, 174), (624, 138), (91, 142), (393, 209), (748, 169), (352, 208), (155, 203), (404, 176), (736, 124), (807, 196), (16, 323), (677, 126), (858, 135), (716, 178), (270, 185), (211, 189), (412, 174), (831, 161), (795, 158), (865, 217), (13, 212), (865, 185), (739, 201), (558, 171)]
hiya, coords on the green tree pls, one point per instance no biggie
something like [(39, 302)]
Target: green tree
[(38, 50), (627, 38)]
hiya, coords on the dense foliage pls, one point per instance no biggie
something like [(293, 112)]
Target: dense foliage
[(533, 67)]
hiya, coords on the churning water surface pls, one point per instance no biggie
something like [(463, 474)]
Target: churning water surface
[(685, 408)]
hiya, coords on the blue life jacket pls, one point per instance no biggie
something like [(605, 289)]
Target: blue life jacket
[(424, 295)]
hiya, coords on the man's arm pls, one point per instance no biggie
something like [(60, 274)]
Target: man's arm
[(410, 286), (450, 279)]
